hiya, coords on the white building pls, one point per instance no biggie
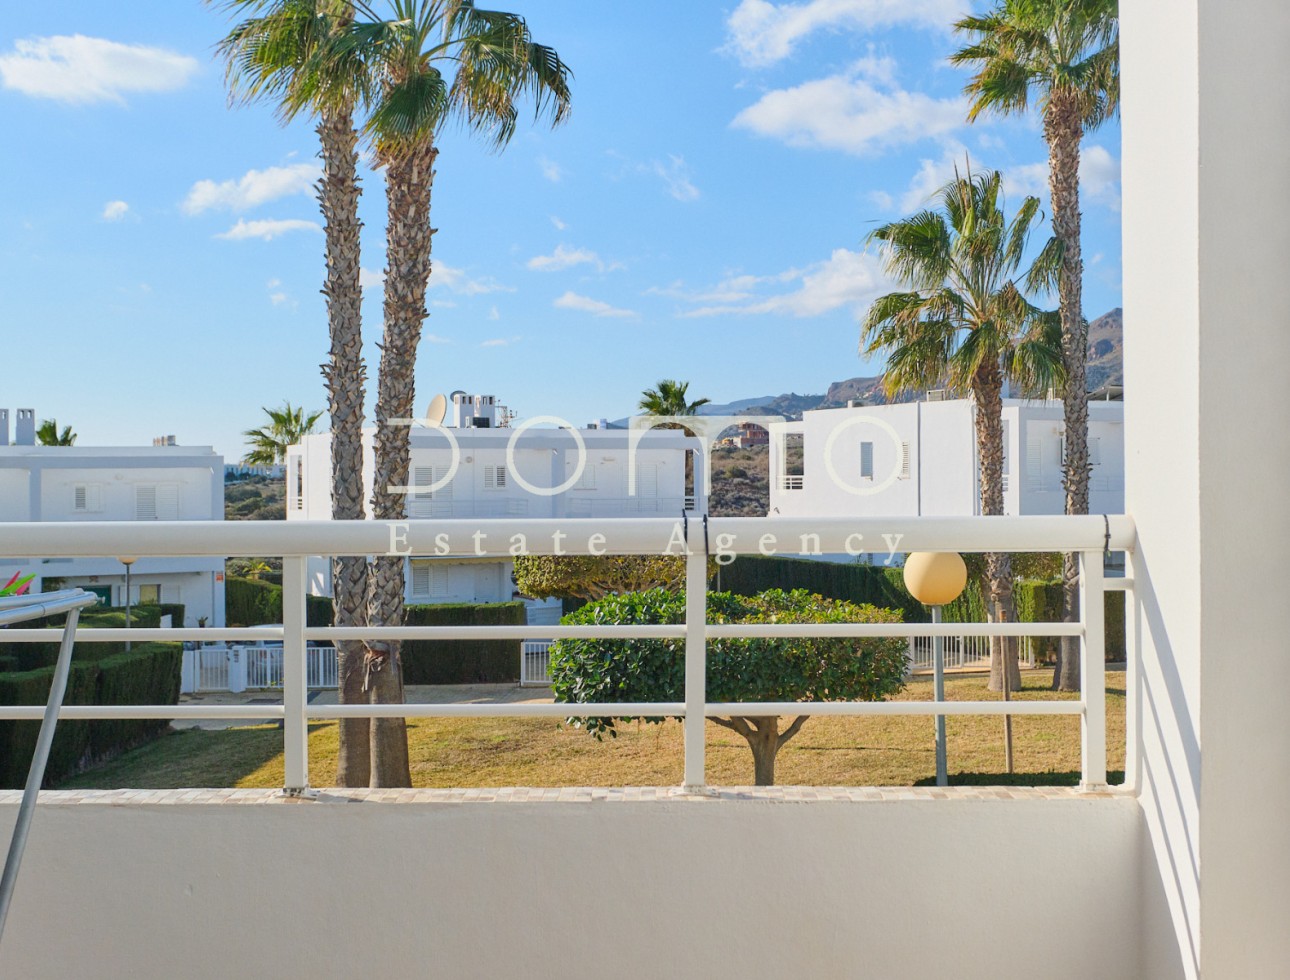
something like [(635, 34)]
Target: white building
[(115, 483), (919, 459), (504, 471)]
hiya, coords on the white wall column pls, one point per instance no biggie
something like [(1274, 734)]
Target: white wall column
[(1206, 302)]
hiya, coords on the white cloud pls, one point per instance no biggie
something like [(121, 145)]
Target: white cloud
[(370, 278), (277, 299), (501, 342), (860, 111), (494, 313), (763, 33), (434, 338), (82, 70), (565, 258), (551, 170), (559, 225), (932, 175), (1099, 178), (255, 187), (115, 210), (846, 278), (266, 229), (456, 280), (585, 304), (676, 177)]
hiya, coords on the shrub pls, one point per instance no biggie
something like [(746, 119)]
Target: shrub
[(252, 602), (462, 661), (749, 575), (779, 669), (1041, 602)]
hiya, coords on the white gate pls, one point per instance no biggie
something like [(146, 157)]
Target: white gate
[(264, 667), (212, 668), (962, 651), (535, 663)]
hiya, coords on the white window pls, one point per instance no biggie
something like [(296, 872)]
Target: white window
[(904, 461), (495, 477), (647, 480), (430, 503), (1095, 451), (429, 580), (87, 498), (156, 502), (866, 460)]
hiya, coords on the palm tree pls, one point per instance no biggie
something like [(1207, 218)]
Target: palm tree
[(286, 427), (48, 434), (434, 62), (273, 56), (669, 398), (965, 323), (1065, 54)]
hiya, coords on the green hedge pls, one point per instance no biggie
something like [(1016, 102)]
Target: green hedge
[(33, 656), (463, 661), (1041, 602), (876, 585), (149, 674), (253, 602)]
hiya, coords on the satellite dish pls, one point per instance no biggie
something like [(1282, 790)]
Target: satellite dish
[(437, 410)]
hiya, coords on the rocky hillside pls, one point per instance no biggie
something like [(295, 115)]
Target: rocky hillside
[(1106, 350)]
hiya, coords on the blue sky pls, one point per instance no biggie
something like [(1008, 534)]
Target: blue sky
[(701, 216)]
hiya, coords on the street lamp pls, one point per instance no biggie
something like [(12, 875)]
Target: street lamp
[(935, 578), (127, 562)]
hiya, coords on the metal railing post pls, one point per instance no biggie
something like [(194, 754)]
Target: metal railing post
[(295, 726), (696, 667), (1092, 603), (1133, 688)]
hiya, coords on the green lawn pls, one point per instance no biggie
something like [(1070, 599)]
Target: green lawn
[(539, 752)]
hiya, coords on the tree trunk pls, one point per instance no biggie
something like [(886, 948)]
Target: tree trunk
[(987, 387), (765, 739), (1063, 130), (408, 179), (345, 376)]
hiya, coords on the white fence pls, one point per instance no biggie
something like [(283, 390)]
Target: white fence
[(296, 541), (220, 667), (962, 651), (535, 663)]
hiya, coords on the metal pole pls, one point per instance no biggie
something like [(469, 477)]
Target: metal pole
[(295, 726), (1092, 604), (696, 651), (36, 774), (1005, 643), (938, 694)]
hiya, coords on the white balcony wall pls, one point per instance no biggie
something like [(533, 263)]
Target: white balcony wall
[(1207, 300), (669, 888)]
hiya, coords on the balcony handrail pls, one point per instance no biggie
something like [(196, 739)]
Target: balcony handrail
[(1090, 537)]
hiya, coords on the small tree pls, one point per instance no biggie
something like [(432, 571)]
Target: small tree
[(48, 434), (269, 443), (779, 669)]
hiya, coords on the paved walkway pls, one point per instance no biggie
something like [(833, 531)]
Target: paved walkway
[(415, 694)]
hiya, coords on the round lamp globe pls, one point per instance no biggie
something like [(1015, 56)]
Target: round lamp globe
[(935, 577)]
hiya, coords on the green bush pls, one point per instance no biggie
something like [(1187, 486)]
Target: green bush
[(788, 669), (463, 661), (149, 674), (33, 656)]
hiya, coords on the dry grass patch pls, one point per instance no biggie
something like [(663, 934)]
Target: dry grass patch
[(448, 752)]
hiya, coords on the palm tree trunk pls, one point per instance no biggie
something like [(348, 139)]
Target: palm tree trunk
[(408, 178), (1063, 129), (346, 377), (987, 387)]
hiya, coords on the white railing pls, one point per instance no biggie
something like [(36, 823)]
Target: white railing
[(264, 668), (535, 663), (296, 541), (962, 651)]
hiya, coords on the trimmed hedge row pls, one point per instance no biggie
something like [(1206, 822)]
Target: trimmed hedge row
[(463, 661), (1041, 602), (253, 602), (149, 674), (33, 656), (750, 575)]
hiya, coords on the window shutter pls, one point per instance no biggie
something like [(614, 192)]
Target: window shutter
[(866, 460), (904, 461), (168, 502), (1095, 451), (494, 477), (1034, 463), (421, 578), (145, 503), (647, 481), (81, 498), (438, 582)]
